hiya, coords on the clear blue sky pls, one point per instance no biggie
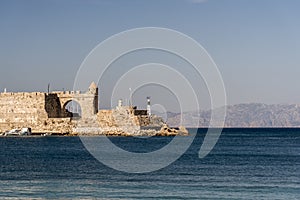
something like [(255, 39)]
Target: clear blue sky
[(255, 43)]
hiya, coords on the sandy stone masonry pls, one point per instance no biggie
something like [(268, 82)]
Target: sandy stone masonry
[(46, 113)]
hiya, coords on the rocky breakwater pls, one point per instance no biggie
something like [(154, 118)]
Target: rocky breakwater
[(125, 121), (167, 131)]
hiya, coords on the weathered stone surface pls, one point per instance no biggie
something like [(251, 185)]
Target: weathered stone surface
[(46, 113), (183, 131), (167, 131)]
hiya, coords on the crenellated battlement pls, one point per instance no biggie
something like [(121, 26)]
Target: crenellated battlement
[(66, 92), (26, 94)]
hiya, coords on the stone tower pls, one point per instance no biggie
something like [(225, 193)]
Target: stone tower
[(89, 102)]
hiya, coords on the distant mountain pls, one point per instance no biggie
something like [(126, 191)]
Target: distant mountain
[(244, 115)]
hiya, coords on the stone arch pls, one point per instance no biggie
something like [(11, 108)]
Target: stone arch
[(72, 108), (88, 101)]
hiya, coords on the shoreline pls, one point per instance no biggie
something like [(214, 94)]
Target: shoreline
[(56, 134)]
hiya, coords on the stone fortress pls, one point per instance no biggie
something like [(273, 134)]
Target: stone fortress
[(48, 113)]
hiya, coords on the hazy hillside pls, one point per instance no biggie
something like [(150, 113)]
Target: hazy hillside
[(246, 115)]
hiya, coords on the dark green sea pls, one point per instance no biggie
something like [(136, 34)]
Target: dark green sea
[(244, 164)]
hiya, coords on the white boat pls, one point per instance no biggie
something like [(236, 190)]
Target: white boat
[(17, 132), (25, 131)]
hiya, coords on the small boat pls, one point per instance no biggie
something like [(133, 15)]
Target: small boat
[(13, 132), (25, 131), (18, 132)]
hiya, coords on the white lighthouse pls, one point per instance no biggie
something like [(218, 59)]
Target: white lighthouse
[(148, 106)]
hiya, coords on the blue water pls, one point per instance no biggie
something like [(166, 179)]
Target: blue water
[(245, 164)]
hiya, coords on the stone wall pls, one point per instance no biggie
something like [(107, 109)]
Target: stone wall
[(105, 119), (53, 106), (45, 112), (126, 120), (122, 116), (19, 110), (35, 110), (55, 125)]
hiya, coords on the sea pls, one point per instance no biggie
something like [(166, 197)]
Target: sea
[(252, 163)]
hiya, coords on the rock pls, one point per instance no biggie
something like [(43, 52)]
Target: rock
[(167, 131), (183, 130)]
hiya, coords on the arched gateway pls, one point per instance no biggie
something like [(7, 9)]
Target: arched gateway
[(47, 113), (74, 108), (88, 102)]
